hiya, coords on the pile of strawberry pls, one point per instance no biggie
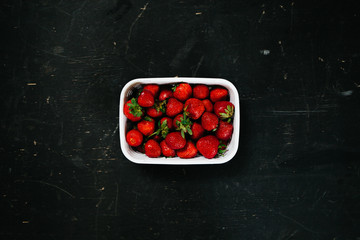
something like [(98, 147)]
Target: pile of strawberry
[(184, 121)]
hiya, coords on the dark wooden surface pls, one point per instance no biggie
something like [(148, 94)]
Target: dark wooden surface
[(295, 64)]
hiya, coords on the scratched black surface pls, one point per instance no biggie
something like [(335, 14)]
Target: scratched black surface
[(295, 64)]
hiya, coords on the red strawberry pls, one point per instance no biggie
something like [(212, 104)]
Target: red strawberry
[(208, 146), (209, 121), (168, 120), (163, 128), (224, 131), (152, 149), (134, 137), (197, 131), (177, 120), (201, 91), (173, 107), (218, 94), (133, 111), (194, 107), (189, 151), (166, 151), (175, 141), (224, 109), (146, 98), (157, 138), (182, 91), (208, 105), (165, 94), (153, 88), (183, 124), (146, 126), (157, 110)]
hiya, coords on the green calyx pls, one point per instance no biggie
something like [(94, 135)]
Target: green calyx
[(222, 149), (229, 112), (174, 87), (162, 130), (160, 106), (184, 125), (135, 108)]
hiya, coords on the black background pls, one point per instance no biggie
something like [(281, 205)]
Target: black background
[(295, 64)]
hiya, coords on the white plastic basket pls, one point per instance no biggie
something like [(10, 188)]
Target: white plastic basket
[(141, 158)]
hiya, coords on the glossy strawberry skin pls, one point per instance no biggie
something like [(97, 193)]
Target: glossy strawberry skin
[(129, 115), (169, 122), (194, 107), (153, 88), (221, 109), (197, 131), (175, 141), (152, 112), (166, 151), (209, 121), (218, 94), (152, 149), (146, 127), (208, 146), (209, 107), (224, 131), (146, 99), (183, 92), (188, 151), (165, 94), (134, 138), (201, 91), (173, 107)]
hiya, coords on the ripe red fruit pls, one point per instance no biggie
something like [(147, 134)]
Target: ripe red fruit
[(182, 91), (177, 120), (133, 111), (197, 131), (173, 107), (208, 105), (157, 110), (175, 141), (134, 138), (201, 91), (146, 98), (209, 121), (194, 107), (166, 151), (208, 146), (146, 126), (152, 149), (189, 151), (165, 94), (224, 131), (218, 94), (168, 120), (153, 88), (183, 124), (224, 109)]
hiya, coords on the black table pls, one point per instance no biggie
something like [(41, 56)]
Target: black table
[(295, 65)]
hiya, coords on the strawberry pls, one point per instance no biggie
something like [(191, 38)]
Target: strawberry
[(182, 92), (208, 105), (183, 124), (133, 111), (201, 91), (165, 94), (197, 131), (224, 109), (163, 128), (166, 151), (173, 107), (157, 110), (146, 99), (194, 107), (134, 138), (208, 146), (152, 148), (153, 88), (218, 94), (168, 120), (175, 141), (222, 148), (189, 151), (146, 126), (224, 131), (209, 121)]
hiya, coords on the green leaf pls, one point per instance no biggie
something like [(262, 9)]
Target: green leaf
[(182, 133)]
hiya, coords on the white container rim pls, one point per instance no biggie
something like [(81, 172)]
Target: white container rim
[(141, 158)]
